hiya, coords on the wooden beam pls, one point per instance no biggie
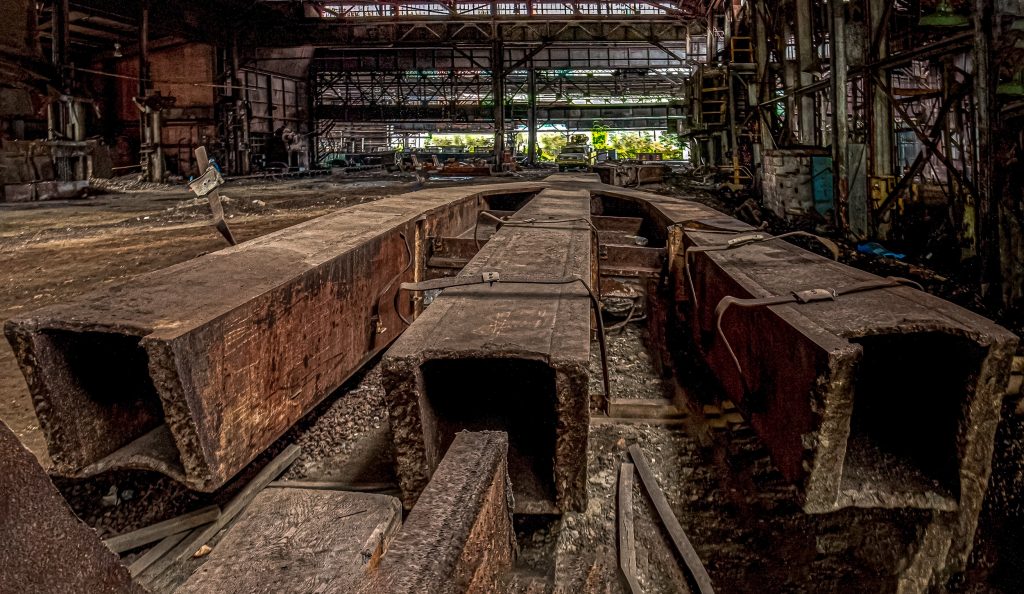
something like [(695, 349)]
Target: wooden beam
[(627, 540), (150, 556), (160, 530)]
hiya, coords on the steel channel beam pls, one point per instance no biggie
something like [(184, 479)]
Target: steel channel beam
[(880, 399), (508, 357), (195, 369)]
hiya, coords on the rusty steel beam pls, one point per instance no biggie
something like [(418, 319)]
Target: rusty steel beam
[(195, 369), (459, 538), (510, 357), (46, 548), (886, 398)]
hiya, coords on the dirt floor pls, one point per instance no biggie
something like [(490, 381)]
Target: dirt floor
[(743, 519)]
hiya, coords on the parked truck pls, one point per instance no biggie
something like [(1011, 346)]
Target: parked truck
[(575, 156)]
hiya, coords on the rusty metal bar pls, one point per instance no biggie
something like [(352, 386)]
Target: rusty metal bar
[(46, 547)]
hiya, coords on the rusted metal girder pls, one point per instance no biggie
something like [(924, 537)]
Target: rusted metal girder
[(459, 538), (510, 357), (46, 548), (885, 398), (631, 174), (195, 369)]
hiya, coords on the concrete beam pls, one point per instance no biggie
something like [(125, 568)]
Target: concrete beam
[(459, 538), (195, 369), (508, 357), (46, 548)]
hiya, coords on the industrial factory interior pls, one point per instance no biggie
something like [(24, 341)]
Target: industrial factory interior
[(511, 296)]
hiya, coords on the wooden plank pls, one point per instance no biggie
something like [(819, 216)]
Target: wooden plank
[(200, 536), (627, 541), (335, 486), (596, 419), (162, 548), (675, 531), (160, 530), (644, 408), (296, 541)]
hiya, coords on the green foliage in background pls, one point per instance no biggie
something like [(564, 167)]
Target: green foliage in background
[(628, 145)]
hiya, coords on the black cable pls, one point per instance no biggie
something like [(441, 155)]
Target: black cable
[(375, 314), (534, 222), (463, 281)]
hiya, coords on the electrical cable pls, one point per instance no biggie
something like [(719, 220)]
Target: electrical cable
[(375, 315), (491, 278), (798, 298)]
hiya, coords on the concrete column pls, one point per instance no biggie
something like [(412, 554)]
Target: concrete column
[(881, 156), (995, 258), (790, 71), (498, 92), (806, 55), (840, 117), (531, 118)]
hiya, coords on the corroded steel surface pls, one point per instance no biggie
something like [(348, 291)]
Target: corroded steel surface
[(193, 370), (886, 398), (525, 348), (47, 549)]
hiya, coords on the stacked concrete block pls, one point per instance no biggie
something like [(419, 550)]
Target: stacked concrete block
[(787, 184), (28, 172)]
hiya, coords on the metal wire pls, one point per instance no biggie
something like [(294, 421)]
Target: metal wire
[(463, 281)]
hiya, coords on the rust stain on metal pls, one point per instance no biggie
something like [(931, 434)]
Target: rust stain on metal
[(195, 369)]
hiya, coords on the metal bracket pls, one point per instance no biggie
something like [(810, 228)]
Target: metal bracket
[(815, 295)]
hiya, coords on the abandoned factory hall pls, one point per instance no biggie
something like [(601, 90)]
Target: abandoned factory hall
[(511, 296)]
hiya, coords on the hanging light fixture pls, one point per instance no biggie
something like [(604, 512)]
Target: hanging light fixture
[(117, 51), (943, 17)]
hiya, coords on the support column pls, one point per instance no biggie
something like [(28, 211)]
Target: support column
[(759, 34), (57, 112), (840, 117), (146, 139), (498, 92), (806, 58), (881, 156), (993, 258), (242, 107), (531, 117), (790, 72)]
